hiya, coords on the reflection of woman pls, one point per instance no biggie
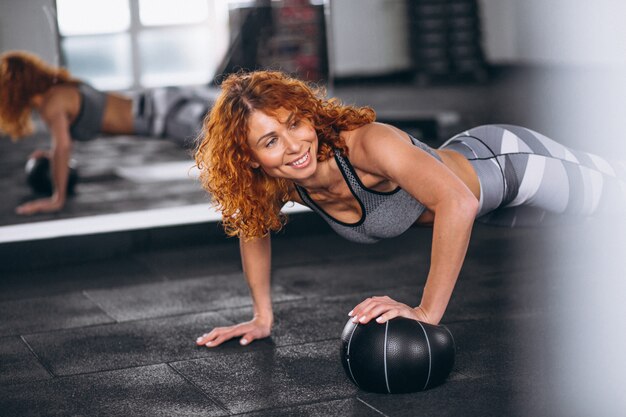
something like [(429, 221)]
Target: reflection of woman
[(73, 110), (271, 139)]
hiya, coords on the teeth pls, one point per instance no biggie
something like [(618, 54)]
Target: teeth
[(301, 160)]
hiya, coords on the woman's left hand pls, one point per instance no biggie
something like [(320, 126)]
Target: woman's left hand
[(44, 205), (385, 308)]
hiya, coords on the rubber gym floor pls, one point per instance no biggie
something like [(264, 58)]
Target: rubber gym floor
[(104, 323)]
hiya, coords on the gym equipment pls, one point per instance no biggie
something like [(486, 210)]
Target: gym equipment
[(39, 179), (399, 356)]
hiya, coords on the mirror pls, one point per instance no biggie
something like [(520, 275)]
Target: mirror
[(390, 54), (131, 47)]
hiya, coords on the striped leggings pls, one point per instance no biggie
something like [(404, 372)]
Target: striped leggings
[(525, 176), (173, 112)]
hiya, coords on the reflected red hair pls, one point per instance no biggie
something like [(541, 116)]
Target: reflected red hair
[(22, 76), (250, 200)]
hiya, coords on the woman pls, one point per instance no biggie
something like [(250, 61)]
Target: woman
[(74, 111), (271, 139)]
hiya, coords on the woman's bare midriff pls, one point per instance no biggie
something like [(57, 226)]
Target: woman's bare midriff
[(458, 164), (462, 168), (118, 115)]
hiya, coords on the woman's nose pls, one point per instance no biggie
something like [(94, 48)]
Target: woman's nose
[(293, 145)]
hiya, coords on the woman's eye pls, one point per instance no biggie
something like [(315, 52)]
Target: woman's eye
[(270, 142), (295, 124)]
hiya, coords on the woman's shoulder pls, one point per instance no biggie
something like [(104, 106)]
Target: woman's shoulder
[(369, 138), (61, 98), (66, 89)]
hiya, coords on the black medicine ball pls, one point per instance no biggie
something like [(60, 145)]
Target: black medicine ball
[(399, 356), (39, 179)]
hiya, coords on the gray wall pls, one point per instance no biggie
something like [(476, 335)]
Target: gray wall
[(368, 37), (555, 32), (24, 25), (535, 32), (551, 32)]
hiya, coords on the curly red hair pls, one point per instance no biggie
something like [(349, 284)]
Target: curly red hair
[(249, 199), (22, 76)]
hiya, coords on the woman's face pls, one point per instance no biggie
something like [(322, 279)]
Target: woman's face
[(283, 146)]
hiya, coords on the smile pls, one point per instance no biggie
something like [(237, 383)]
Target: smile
[(301, 162)]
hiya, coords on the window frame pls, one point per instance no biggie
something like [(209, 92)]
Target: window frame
[(134, 31)]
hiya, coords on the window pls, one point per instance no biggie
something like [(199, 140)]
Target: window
[(159, 12), (134, 44)]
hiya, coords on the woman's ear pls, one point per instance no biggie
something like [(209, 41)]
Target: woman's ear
[(254, 164)]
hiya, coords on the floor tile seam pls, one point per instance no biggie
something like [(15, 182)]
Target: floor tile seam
[(116, 320), (469, 320), (10, 384), (483, 373), (135, 256), (464, 374), (62, 294), (334, 297), (299, 404), (109, 370), (97, 304), (198, 388), (100, 371), (370, 258), (263, 345), (327, 260), (294, 301), (218, 310), (338, 297), (521, 270), (215, 311), (120, 322), (165, 278), (61, 329), (370, 406), (181, 314), (39, 360), (506, 316), (310, 342), (298, 297)]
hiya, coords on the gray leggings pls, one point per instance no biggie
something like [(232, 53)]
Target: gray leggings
[(525, 176), (172, 112)]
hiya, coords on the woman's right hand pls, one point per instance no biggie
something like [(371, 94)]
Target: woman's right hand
[(257, 328)]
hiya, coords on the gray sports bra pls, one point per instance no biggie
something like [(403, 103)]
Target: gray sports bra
[(88, 122), (385, 214)]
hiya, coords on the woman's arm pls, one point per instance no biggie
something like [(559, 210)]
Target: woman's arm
[(60, 158), (256, 258), (442, 192), (58, 124), (451, 234)]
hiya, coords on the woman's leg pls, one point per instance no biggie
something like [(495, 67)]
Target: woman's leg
[(525, 175), (172, 112)]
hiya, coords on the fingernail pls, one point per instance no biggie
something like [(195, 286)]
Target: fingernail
[(209, 344), (355, 319), (362, 319), (379, 319), (350, 313), (244, 342), (198, 340)]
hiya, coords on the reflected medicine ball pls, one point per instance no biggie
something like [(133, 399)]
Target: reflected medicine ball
[(399, 356), (39, 179)]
